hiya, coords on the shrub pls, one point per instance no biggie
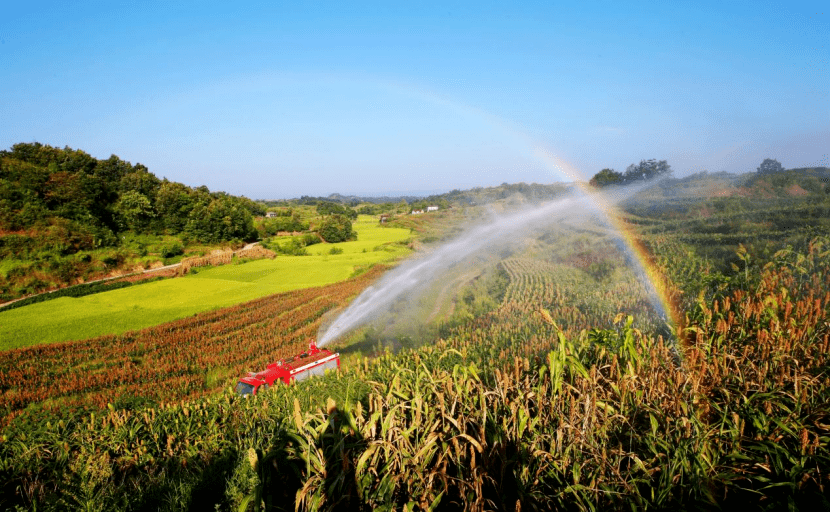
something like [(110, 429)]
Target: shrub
[(310, 239), (171, 250)]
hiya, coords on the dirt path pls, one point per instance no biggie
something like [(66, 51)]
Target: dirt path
[(101, 280), (165, 268)]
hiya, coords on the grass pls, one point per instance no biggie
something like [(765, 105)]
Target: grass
[(137, 307), (371, 237)]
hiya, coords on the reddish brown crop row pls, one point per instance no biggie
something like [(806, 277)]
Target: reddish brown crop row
[(179, 359)]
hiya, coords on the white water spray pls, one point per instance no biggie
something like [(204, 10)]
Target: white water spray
[(422, 270), (503, 230)]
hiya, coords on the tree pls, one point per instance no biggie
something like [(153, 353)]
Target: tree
[(605, 178), (140, 180), (770, 166), (336, 228), (646, 170), (65, 195), (330, 208), (134, 210), (173, 204), (112, 170)]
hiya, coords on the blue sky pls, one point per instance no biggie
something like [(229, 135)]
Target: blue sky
[(282, 99)]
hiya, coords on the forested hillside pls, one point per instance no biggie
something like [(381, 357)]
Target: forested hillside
[(58, 206)]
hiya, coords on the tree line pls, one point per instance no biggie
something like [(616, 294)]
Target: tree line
[(644, 171), (649, 169), (43, 186)]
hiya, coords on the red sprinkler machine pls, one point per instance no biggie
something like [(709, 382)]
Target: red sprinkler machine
[(313, 362)]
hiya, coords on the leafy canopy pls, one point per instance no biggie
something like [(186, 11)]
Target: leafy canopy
[(770, 166), (644, 171)]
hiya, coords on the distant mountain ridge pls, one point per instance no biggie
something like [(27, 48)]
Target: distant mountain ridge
[(702, 184)]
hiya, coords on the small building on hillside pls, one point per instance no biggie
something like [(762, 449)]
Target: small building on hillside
[(432, 208), (270, 215)]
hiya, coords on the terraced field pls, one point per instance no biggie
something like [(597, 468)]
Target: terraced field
[(137, 307), (177, 360)]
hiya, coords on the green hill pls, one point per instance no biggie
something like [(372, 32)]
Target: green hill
[(66, 216)]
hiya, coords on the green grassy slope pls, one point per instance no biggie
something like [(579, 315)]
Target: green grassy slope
[(372, 237), (142, 306)]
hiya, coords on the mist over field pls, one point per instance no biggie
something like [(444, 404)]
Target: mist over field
[(396, 302)]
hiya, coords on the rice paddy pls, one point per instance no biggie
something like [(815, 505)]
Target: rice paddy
[(137, 307)]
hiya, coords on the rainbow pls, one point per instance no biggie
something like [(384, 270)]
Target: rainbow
[(662, 290), (661, 287)]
